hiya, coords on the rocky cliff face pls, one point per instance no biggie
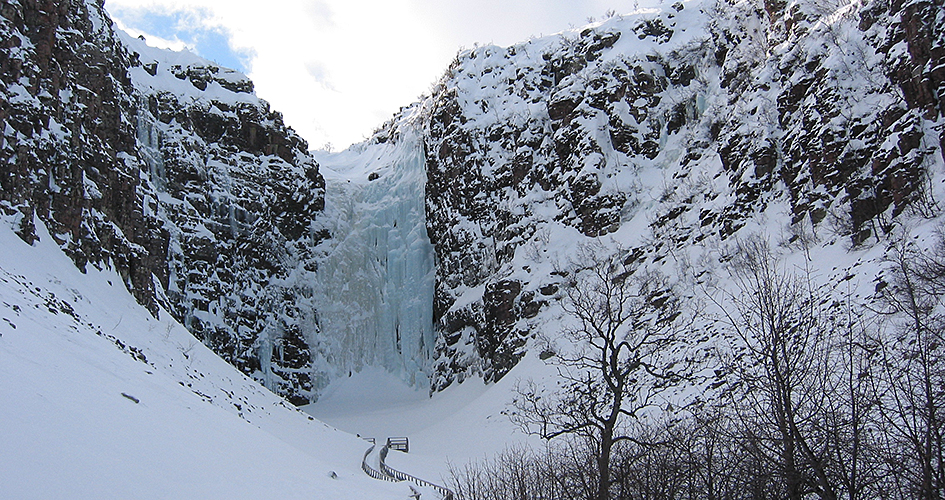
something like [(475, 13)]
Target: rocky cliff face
[(657, 132), (170, 169), (237, 192), (668, 130), (68, 153)]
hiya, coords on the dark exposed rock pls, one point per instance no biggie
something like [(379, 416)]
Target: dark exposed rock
[(561, 109), (203, 207), (68, 154), (242, 195), (843, 139)]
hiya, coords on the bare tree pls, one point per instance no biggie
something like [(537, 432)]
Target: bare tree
[(559, 471), (625, 324), (853, 406), (912, 385), (782, 361)]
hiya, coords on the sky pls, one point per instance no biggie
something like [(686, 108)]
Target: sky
[(337, 69)]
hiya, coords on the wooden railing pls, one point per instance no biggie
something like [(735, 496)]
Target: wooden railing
[(388, 473), (399, 444), (371, 471)]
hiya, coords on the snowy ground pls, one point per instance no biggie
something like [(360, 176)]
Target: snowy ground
[(463, 423), (100, 400)]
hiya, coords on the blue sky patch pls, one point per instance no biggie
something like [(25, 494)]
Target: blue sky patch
[(189, 27)]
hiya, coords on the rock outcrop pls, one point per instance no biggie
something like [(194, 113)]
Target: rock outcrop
[(168, 168), (671, 130), (237, 192), (68, 155)]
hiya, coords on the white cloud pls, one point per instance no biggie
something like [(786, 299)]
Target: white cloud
[(337, 69)]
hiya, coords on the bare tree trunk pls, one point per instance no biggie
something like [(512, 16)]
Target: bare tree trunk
[(603, 465), (624, 327)]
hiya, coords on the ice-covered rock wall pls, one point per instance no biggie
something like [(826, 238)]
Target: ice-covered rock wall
[(236, 191), (169, 169), (376, 279)]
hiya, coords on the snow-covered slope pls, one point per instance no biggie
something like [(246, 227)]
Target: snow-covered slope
[(103, 400), (464, 423)]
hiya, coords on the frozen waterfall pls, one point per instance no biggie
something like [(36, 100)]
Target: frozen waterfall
[(376, 277)]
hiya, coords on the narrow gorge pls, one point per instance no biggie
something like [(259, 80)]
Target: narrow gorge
[(432, 248)]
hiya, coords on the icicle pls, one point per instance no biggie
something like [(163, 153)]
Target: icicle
[(149, 142), (378, 281)]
